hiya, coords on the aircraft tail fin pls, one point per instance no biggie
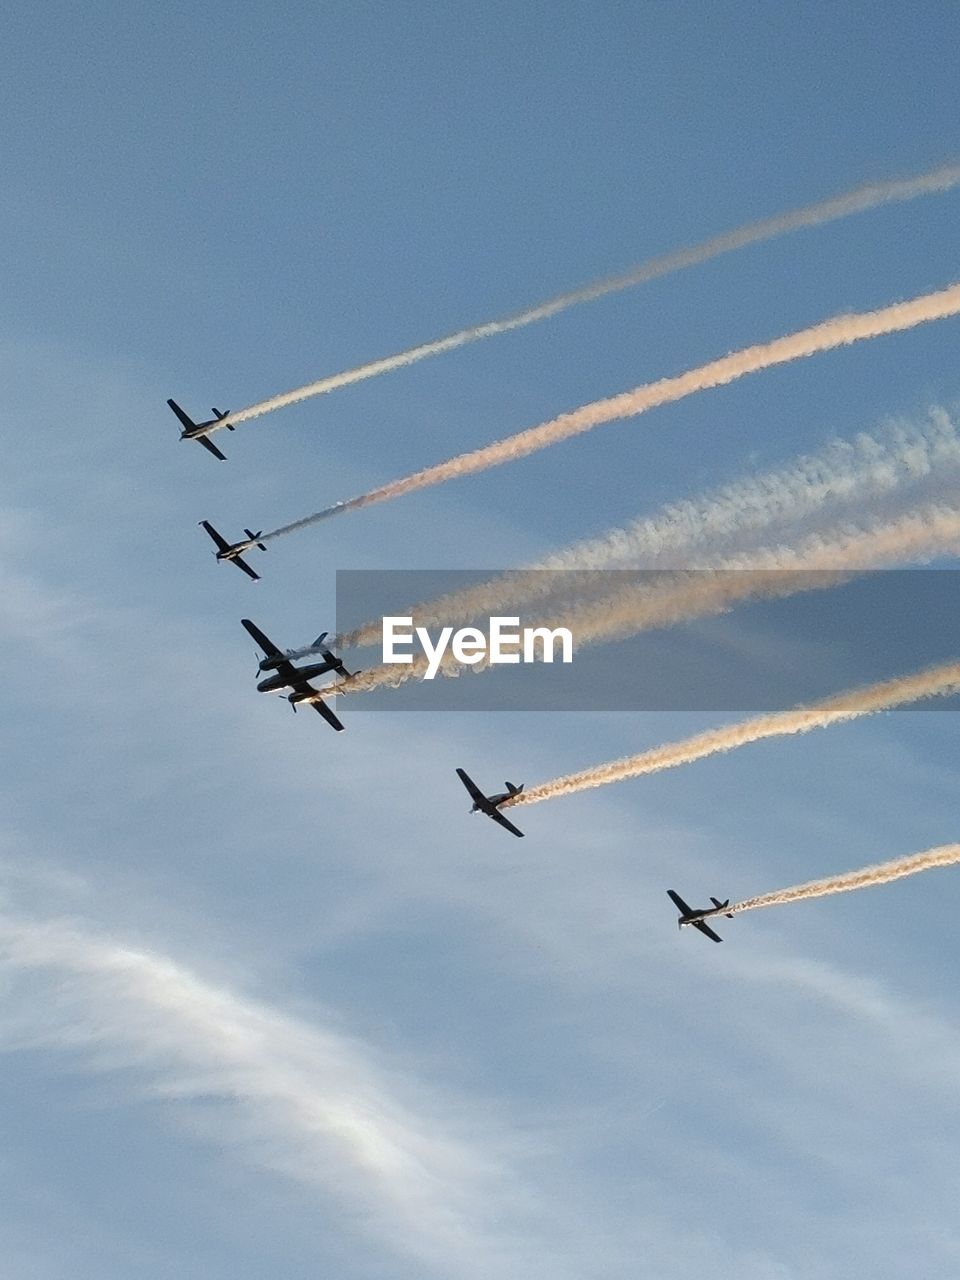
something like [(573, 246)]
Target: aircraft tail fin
[(720, 905), (320, 639), (338, 664), (514, 789), (253, 538), (222, 413)]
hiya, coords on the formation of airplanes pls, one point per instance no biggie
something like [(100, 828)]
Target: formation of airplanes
[(297, 679)]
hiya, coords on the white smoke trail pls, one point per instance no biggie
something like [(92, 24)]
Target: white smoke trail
[(818, 562), (845, 472), (944, 855), (826, 336), (859, 200), (934, 682)]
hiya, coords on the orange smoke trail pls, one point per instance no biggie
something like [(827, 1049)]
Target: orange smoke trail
[(859, 200), (945, 855), (830, 334), (939, 681)]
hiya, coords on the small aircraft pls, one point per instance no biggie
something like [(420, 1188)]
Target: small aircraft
[(696, 917), (199, 430), (490, 805), (285, 668), (297, 679), (234, 550)]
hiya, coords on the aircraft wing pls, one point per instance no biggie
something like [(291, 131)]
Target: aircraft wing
[(268, 647), (246, 569), (218, 538), (328, 715), (304, 686), (211, 447), (188, 423), (679, 903), (286, 669), (705, 928), (474, 790), (497, 816)]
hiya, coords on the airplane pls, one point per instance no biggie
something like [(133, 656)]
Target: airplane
[(297, 679), (285, 668), (696, 917), (234, 550), (198, 430), (490, 805)]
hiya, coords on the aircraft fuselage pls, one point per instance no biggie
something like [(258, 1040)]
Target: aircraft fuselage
[(696, 916), (281, 681), (496, 801), (236, 549), (198, 429)]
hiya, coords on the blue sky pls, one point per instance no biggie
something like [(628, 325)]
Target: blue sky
[(271, 1004)]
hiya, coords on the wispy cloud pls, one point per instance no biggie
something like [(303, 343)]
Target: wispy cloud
[(308, 1102)]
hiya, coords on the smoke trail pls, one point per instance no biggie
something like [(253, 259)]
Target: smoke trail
[(826, 336), (938, 681), (857, 201), (944, 855), (818, 562), (868, 467), (845, 472)]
